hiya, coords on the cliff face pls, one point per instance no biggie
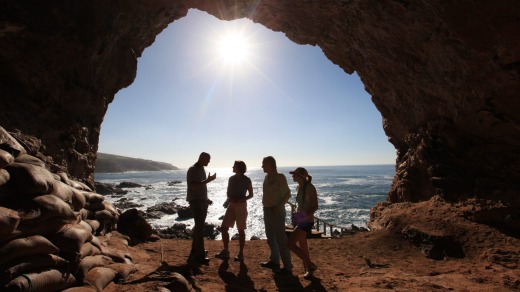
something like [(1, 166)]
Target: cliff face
[(116, 163), (445, 76)]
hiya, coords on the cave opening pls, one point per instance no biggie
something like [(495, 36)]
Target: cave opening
[(186, 99)]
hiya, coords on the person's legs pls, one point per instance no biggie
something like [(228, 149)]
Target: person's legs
[(199, 209), (241, 219), (299, 236), (225, 237), (281, 239), (269, 223), (241, 241)]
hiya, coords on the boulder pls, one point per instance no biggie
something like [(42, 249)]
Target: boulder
[(135, 226)]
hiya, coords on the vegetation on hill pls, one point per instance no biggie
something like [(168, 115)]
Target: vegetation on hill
[(115, 163)]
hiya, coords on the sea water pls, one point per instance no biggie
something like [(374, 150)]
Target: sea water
[(345, 193)]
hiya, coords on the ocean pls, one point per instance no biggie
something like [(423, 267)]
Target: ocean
[(345, 193)]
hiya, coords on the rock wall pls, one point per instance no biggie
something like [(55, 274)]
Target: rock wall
[(445, 76)]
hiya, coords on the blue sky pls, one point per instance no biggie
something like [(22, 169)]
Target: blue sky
[(281, 99)]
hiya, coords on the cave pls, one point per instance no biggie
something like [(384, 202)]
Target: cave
[(445, 76)]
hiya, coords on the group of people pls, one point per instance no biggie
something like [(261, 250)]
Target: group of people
[(276, 194)]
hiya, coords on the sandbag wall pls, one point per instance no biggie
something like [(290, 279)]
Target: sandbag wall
[(53, 229)]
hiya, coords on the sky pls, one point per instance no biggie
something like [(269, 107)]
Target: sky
[(240, 91)]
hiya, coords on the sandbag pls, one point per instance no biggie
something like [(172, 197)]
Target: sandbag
[(94, 197), (95, 206), (84, 187), (122, 270), (89, 262), (104, 216), (75, 184), (9, 220), (116, 255), (96, 242), (50, 280), (86, 288), (83, 214), (4, 177), (29, 159), (5, 158), (62, 191), (24, 264), (42, 227), (64, 177), (70, 238), (85, 225), (26, 246), (78, 200), (111, 208), (9, 143), (100, 277), (53, 206), (94, 224), (88, 249), (30, 180)]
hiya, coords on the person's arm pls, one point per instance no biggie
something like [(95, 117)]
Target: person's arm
[(197, 184), (284, 190), (249, 190), (313, 196)]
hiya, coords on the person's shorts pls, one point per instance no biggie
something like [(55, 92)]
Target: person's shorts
[(236, 212), (305, 226)]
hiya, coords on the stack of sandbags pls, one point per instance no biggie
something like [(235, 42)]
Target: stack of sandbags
[(49, 225)]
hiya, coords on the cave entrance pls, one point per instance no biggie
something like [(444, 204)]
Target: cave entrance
[(281, 99)]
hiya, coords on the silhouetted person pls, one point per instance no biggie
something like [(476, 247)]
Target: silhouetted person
[(303, 219), (198, 200), (236, 203), (276, 193)]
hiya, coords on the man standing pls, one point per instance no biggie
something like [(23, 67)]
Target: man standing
[(276, 193), (198, 200)]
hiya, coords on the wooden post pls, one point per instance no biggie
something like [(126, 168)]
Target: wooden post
[(331, 231), (324, 228), (317, 224)]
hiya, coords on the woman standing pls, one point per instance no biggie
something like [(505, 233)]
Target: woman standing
[(238, 186), (303, 219)]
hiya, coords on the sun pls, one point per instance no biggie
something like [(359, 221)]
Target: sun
[(233, 49)]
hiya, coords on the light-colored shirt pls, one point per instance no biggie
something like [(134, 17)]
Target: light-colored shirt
[(237, 187), (196, 173), (276, 190)]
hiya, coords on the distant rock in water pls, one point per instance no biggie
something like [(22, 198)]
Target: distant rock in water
[(115, 163)]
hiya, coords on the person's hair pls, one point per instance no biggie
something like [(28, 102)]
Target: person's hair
[(309, 178), (270, 160), (241, 166), (203, 154)]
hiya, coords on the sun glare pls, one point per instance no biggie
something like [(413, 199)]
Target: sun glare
[(233, 49)]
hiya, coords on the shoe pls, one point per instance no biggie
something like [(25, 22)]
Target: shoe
[(224, 254), (239, 258), (270, 265), (283, 272), (312, 267), (310, 271), (198, 261), (308, 275)]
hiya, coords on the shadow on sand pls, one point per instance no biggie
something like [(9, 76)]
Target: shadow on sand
[(240, 282)]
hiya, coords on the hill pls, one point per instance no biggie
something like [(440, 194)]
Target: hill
[(115, 163)]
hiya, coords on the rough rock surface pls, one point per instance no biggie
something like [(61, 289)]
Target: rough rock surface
[(444, 75)]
